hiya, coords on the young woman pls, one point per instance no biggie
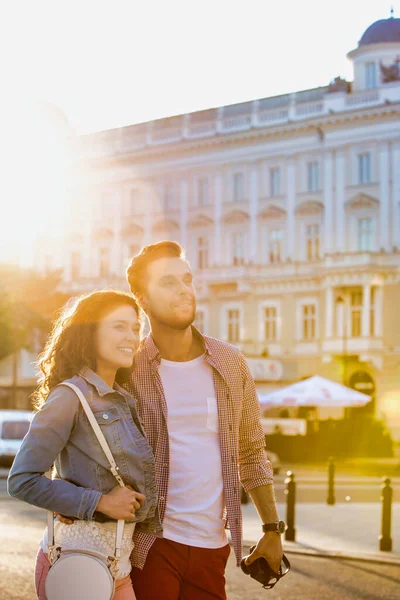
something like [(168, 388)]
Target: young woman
[(92, 346)]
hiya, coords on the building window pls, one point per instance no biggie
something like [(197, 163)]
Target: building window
[(233, 325), (275, 245), (203, 192), (238, 187), (275, 182), (364, 168), (75, 265), (169, 198), (313, 180), (199, 320), (365, 232), (107, 207), (133, 202), (370, 76), (309, 322), (133, 250), (238, 249), (104, 262), (355, 313), (202, 252), (270, 324), (313, 242)]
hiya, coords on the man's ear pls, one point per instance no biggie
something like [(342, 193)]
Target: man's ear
[(142, 301)]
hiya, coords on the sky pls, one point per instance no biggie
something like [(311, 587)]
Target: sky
[(112, 63)]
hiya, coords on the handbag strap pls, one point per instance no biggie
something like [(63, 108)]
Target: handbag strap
[(113, 467)]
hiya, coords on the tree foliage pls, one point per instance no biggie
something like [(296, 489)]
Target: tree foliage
[(29, 302)]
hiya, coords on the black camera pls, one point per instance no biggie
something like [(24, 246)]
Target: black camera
[(262, 572)]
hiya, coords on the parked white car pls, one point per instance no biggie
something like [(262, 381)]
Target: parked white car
[(14, 425)]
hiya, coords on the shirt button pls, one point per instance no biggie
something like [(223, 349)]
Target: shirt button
[(162, 499), (165, 465), (105, 416)]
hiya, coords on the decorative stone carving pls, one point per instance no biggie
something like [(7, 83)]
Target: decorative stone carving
[(236, 217), (362, 201), (272, 212), (200, 221), (339, 85), (132, 229), (390, 72), (310, 207), (165, 225), (102, 233)]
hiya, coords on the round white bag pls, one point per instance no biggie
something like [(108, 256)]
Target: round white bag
[(79, 576)]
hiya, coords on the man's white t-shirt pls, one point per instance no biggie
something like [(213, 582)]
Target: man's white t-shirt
[(195, 502)]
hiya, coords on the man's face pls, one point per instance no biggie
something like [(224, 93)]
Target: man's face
[(170, 296)]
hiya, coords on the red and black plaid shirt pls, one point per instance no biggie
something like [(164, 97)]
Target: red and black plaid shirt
[(241, 436)]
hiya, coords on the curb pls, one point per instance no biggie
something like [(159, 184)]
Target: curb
[(356, 556)]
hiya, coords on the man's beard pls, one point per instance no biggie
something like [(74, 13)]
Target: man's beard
[(173, 321)]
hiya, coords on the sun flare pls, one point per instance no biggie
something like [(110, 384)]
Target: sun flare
[(34, 186)]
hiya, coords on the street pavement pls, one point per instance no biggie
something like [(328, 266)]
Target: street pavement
[(311, 578)]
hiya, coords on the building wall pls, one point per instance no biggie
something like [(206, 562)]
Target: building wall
[(290, 204)]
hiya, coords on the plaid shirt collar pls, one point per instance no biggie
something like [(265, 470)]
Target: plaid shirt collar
[(154, 353)]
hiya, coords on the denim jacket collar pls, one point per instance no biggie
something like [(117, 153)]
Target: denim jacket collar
[(97, 382)]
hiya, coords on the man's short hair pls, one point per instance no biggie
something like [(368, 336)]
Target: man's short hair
[(136, 272)]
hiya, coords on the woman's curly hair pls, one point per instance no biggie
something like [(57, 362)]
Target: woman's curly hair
[(71, 344)]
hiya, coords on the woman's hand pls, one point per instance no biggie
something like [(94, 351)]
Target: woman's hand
[(120, 503)]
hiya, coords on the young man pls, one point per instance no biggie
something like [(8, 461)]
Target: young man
[(199, 407)]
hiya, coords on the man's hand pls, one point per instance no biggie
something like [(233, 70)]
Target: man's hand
[(270, 548)]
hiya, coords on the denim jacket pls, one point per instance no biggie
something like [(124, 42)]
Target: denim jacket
[(60, 433)]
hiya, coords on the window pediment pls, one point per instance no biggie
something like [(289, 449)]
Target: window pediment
[(165, 225), (132, 230), (103, 233), (310, 207), (362, 201), (200, 221), (272, 212), (236, 217), (75, 238)]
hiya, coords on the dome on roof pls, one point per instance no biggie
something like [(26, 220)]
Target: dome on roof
[(381, 32)]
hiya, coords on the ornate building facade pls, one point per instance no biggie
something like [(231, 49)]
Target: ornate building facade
[(289, 210)]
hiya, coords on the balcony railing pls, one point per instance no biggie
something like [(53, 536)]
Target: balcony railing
[(240, 117)]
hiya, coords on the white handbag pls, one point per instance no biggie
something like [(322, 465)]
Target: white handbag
[(78, 574)]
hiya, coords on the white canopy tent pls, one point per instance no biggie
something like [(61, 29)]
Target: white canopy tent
[(315, 391)]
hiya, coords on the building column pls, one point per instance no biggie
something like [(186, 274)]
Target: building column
[(149, 205), (384, 221), (184, 200), (340, 200), (366, 311), (328, 203), (218, 191), (291, 205), (329, 314), (116, 249), (253, 214), (88, 242), (378, 311), (395, 217)]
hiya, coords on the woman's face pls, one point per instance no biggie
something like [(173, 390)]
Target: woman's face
[(117, 338)]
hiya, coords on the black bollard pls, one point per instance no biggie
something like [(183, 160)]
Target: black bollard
[(290, 492), (331, 500), (385, 540)]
